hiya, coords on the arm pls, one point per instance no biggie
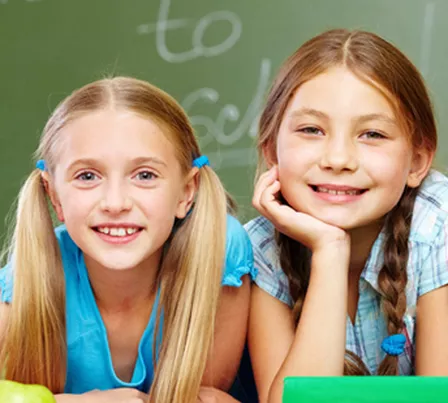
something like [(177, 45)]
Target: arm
[(318, 347), (431, 331), (230, 336), (122, 395), (278, 349), (4, 314), (271, 334), (310, 350)]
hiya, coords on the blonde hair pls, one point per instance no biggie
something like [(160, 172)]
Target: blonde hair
[(34, 348), (382, 65)]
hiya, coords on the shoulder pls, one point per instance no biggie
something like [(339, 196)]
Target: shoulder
[(69, 255), (428, 259), (239, 256), (261, 233), (430, 215), (271, 277)]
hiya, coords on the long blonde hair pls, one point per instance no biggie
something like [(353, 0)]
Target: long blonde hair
[(34, 347), (382, 65)]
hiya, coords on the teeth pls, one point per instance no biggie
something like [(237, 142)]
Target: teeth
[(117, 231), (338, 192)]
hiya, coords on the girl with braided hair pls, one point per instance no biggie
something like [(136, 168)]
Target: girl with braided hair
[(352, 241)]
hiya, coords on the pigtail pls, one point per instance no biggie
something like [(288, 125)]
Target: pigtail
[(33, 347), (392, 278), (192, 272)]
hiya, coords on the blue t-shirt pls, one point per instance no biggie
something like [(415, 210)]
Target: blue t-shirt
[(89, 362)]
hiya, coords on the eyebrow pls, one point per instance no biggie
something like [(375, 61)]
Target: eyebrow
[(135, 161), (298, 113), (359, 119)]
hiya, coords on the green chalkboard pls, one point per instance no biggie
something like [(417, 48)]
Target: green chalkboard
[(216, 57)]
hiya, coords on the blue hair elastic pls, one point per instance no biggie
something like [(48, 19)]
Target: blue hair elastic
[(201, 161), (41, 165), (394, 344)]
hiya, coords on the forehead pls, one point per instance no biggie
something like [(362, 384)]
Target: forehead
[(341, 94), (114, 135)]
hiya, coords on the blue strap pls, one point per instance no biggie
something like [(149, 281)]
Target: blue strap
[(201, 161), (394, 344)]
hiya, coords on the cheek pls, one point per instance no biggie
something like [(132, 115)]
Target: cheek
[(390, 167), (76, 204), (160, 203)]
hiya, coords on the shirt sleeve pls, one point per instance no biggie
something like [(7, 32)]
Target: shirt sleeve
[(434, 268), (239, 257), (6, 284), (271, 277)]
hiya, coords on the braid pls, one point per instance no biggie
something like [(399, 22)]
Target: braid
[(392, 278)]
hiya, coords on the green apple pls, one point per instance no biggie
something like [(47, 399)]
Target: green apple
[(14, 392)]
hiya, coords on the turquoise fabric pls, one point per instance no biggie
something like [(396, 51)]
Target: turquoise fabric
[(89, 364)]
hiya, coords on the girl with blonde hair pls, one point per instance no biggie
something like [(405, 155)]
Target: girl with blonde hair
[(352, 241), (142, 294)]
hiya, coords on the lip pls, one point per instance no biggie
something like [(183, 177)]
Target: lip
[(117, 225), (331, 186), (337, 198), (118, 240)]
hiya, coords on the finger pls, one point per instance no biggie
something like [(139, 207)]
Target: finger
[(265, 180), (269, 201), (269, 197)]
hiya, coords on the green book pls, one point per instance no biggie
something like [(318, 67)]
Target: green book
[(366, 389)]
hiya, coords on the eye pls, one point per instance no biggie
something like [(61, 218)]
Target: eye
[(146, 175), (373, 135), (86, 176), (311, 130)]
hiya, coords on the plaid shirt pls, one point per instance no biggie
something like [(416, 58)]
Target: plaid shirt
[(427, 270)]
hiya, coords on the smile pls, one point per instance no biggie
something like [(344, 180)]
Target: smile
[(119, 232), (337, 193), (350, 192)]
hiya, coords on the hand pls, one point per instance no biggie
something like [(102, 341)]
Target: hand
[(309, 231), (121, 395), (212, 395)]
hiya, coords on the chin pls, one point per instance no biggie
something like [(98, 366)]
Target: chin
[(340, 222), (118, 264)]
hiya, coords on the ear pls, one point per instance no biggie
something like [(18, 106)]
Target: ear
[(421, 164), (51, 192), (189, 192), (269, 153)]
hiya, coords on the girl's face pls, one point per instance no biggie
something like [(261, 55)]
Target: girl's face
[(118, 187), (342, 154)]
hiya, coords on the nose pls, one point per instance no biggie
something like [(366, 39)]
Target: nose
[(339, 154), (115, 198)]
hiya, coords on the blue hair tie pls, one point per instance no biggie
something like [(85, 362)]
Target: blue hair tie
[(201, 161), (394, 344), (41, 165)]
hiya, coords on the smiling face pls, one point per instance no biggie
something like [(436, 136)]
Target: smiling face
[(118, 187), (342, 154)]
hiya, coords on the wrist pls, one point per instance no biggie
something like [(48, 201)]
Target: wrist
[(332, 257)]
